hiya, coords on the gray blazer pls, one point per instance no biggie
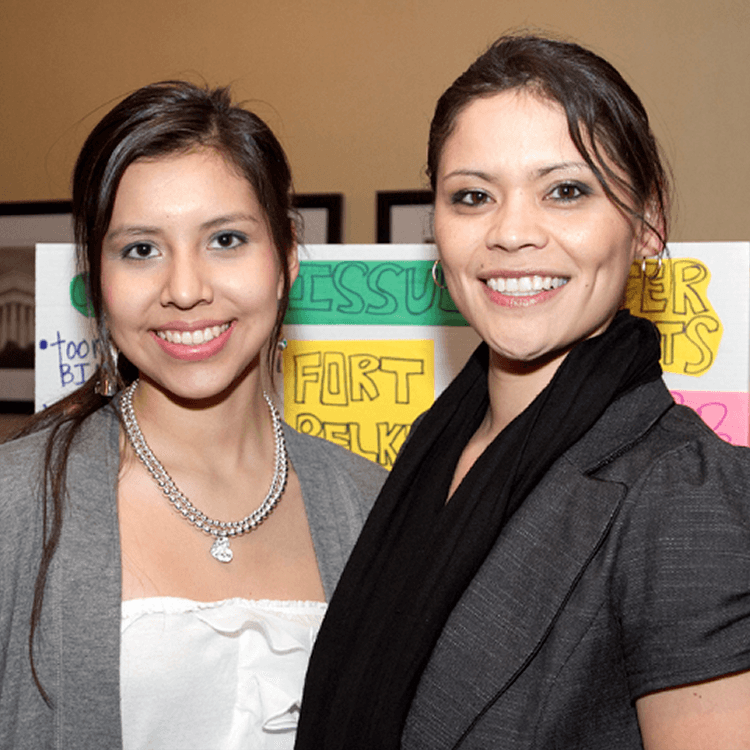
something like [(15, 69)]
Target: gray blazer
[(77, 652), (626, 571)]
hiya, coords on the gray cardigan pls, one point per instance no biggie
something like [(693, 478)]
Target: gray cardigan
[(626, 571), (77, 649)]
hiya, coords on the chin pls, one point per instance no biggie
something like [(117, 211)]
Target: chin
[(193, 389), (524, 358)]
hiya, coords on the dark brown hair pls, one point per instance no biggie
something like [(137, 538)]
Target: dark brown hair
[(601, 108), (155, 121)]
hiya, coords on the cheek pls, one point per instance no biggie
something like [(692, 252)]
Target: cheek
[(119, 289), (271, 278), (607, 249), (622, 240), (448, 233), (257, 296), (460, 240), (107, 296), (125, 300), (443, 225)]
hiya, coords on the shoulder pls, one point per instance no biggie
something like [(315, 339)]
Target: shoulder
[(688, 500), (683, 554), (93, 432), (320, 460), (680, 459), (21, 453), (686, 489), (22, 460), (646, 433), (21, 466)]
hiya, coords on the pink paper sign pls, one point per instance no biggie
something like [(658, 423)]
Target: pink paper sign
[(725, 412)]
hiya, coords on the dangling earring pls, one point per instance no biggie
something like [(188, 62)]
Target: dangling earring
[(107, 384), (281, 344), (109, 381), (435, 267)]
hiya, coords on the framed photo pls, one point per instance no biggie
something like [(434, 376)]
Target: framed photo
[(404, 217), (322, 217), (22, 225)]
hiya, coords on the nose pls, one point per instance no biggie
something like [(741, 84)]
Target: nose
[(516, 224), (187, 281)]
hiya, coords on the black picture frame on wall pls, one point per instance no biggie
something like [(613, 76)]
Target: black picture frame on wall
[(22, 225), (404, 217), (322, 217)]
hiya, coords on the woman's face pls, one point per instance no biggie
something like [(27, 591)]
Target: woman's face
[(190, 275), (535, 255)]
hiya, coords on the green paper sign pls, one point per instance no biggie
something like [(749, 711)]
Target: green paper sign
[(357, 292)]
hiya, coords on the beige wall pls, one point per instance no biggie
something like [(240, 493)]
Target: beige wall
[(349, 85)]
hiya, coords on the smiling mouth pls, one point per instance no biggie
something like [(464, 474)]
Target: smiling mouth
[(524, 286), (193, 338)]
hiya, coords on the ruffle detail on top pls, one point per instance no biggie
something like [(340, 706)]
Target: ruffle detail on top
[(229, 674)]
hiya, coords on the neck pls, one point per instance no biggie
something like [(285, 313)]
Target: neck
[(512, 386), (220, 432)]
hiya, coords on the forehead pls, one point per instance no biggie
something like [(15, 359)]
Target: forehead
[(200, 176), (512, 126), (198, 159)]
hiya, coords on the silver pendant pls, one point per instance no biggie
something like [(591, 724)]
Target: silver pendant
[(221, 550)]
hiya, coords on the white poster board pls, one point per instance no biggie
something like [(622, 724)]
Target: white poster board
[(66, 345), (372, 341)]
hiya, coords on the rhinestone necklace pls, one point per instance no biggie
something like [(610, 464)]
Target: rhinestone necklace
[(222, 531)]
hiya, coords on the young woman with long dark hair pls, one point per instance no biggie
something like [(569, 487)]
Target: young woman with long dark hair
[(167, 543)]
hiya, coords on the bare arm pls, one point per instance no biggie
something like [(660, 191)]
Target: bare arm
[(713, 715)]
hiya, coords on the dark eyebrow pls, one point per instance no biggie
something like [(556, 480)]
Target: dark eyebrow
[(141, 231), (576, 165), (230, 219), (131, 231), (486, 176), (541, 172)]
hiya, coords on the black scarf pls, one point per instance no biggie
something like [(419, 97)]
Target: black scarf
[(417, 554)]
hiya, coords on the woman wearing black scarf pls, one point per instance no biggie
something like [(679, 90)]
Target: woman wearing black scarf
[(560, 556)]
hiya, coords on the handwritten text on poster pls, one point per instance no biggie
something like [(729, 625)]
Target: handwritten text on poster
[(358, 292), (363, 395), (676, 300)]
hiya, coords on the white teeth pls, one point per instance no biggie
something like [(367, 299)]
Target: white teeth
[(193, 338), (524, 286)]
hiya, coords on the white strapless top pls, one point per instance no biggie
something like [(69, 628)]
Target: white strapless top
[(214, 675)]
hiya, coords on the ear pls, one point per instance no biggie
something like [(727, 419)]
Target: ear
[(650, 233), (292, 263)]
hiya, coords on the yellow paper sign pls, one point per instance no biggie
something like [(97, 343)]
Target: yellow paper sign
[(676, 300), (363, 395)]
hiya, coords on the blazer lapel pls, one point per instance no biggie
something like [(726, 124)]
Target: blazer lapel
[(496, 629)]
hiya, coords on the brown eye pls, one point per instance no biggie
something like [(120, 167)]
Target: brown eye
[(566, 192), (140, 251), (470, 198), (227, 240)]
